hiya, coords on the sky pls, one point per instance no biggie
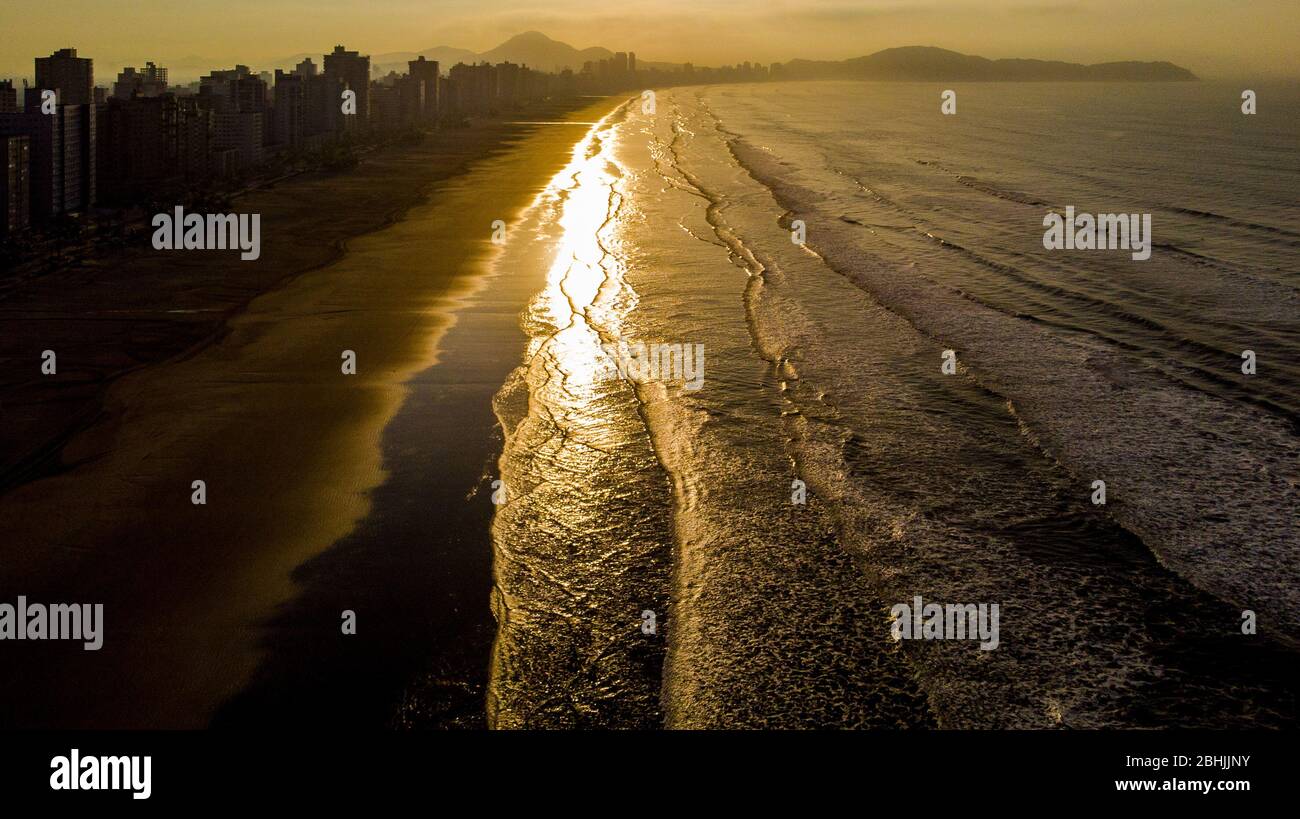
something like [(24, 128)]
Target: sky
[(1226, 39)]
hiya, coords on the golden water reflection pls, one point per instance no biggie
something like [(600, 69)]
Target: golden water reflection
[(586, 296)]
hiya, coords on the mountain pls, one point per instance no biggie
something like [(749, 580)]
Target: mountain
[(532, 48), (536, 50), (929, 64), (908, 63)]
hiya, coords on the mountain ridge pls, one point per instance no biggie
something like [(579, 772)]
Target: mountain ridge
[(902, 63), (929, 63)]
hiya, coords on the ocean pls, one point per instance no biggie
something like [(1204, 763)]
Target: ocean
[(652, 565)]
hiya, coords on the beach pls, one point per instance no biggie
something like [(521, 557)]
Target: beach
[(246, 393), (906, 397), (830, 245)]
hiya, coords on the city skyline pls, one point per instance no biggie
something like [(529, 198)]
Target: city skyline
[(72, 145), (275, 32), (116, 145)]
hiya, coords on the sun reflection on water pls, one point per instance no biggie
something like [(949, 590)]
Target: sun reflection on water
[(586, 296)]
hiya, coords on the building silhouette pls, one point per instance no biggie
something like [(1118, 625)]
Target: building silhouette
[(289, 125), (425, 73), (72, 76), (352, 70), (241, 120), (149, 81), (61, 154), (15, 184), (147, 139), (8, 97)]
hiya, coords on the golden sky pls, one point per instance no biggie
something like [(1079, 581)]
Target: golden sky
[(1214, 38)]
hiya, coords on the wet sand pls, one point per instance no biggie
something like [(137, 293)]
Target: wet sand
[(132, 307), (325, 492)]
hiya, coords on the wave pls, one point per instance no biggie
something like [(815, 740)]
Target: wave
[(925, 486), (1241, 223), (995, 191), (1209, 486), (579, 533), (823, 367)]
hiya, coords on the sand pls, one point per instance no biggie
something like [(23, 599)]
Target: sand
[(203, 602)]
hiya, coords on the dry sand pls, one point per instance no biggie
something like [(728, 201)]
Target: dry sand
[(289, 447)]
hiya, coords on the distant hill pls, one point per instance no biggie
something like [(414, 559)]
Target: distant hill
[(908, 63), (532, 48), (536, 50), (925, 63)]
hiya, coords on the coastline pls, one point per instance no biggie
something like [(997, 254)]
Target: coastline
[(110, 315), (262, 412)]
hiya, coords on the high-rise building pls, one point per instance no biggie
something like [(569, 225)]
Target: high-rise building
[(321, 101), (62, 154), (79, 123), (631, 61), (386, 107), (15, 184), (446, 97), (44, 133), (353, 71), (248, 94), (237, 99), (137, 147), (425, 72), (8, 97), (474, 87), (149, 81), (72, 76), (321, 113), (290, 106), (411, 92), (215, 89), (193, 140), (240, 131), (508, 84)]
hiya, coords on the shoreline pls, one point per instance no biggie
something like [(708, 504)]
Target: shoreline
[(109, 316), (296, 458)]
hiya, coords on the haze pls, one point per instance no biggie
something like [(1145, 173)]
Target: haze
[(1214, 38)]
